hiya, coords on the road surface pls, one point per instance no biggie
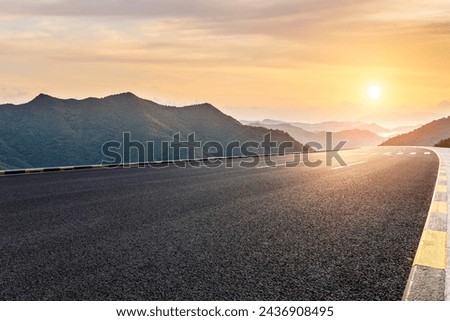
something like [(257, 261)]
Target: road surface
[(266, 233)]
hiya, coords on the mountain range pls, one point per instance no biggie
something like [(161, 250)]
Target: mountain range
[(354, 137), (48, 131), (327, 126)]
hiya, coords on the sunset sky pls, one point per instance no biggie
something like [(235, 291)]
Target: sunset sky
[(307, 60)]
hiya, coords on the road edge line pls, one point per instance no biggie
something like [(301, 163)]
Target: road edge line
[(20, 171)]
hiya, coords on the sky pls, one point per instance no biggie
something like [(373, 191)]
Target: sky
[(299, 60)]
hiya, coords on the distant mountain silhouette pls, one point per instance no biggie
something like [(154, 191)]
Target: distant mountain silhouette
[(426, 135), (404, 129), (48, 131), (357, 138), (327, 126), (336, 126), (353, 137)]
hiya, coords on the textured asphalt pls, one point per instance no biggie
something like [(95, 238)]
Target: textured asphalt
[(217, 234)]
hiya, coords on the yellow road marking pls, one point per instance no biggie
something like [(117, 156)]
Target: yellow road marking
[(441, 189), (439, 207), (443, 177), (432, 250)]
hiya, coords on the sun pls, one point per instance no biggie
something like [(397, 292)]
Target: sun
[(374, 92)]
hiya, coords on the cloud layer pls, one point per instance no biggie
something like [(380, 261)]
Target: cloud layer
[(294, 59)]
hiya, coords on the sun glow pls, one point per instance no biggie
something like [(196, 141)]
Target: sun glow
[(374, 92)]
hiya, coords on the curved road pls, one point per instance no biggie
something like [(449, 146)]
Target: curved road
[(324, 233)]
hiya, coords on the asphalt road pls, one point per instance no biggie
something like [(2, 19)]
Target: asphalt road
[(324, 233)]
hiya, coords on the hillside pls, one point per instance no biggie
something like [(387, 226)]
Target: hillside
[(353, 137), (48, 131), (426, 135), (444, 143)]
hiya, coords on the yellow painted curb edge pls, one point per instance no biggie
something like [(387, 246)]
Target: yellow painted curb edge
[(431, 253), (432, 250)]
